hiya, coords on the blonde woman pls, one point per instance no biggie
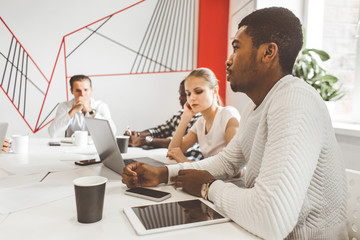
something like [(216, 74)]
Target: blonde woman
[(217, 126)]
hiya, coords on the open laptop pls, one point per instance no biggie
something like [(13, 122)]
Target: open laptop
[(3, 129), (107, 148)]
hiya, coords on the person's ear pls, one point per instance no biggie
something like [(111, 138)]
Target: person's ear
[(270, 51), (216, 90)]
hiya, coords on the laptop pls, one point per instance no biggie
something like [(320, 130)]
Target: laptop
[(107, 148), (3, 129)]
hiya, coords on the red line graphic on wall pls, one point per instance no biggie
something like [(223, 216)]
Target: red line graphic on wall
[(165, 43)]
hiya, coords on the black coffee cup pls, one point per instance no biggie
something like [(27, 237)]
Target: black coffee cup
[(89, 194), (123, 142)]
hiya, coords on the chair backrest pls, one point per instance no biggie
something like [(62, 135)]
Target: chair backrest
[(353, 224)]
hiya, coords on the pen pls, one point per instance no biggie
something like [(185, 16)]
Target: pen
[(45, 176), (129, 131)]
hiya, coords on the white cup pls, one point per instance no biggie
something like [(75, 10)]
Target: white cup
[(20, 144), (80, 138)]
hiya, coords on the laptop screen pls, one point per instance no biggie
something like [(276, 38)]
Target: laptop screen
[(107, 147), (105, 144), (3, 129)]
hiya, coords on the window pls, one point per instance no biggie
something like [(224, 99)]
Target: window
[(334, 27)]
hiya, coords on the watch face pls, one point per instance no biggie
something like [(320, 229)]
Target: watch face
[(203, 190), (149, 139)]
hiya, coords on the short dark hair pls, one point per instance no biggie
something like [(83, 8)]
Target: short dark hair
[(278, 25), (79, 78)]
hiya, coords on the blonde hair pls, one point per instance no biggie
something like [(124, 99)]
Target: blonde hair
[(210, 77)]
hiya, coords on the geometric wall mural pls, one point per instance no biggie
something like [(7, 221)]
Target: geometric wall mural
[(163, 40)]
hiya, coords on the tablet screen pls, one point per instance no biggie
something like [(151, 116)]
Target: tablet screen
[(175, 213)]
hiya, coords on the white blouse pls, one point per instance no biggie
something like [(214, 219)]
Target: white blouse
[(214, 141)]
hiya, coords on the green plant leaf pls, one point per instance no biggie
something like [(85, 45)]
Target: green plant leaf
[(328, 78), (324, 56), (306, 67)]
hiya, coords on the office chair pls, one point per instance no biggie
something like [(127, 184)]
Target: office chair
[(353, 224)]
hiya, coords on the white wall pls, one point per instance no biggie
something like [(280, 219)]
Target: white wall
[(140, 101), (238, 10)]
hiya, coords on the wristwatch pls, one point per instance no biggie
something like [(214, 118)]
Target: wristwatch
[(149, 139), (205, 189), (92, 111)]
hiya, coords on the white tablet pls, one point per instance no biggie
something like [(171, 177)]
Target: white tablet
[(173, 216)]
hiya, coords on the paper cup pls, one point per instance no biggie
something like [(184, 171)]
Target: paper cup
[(89, 194), (123, 142)]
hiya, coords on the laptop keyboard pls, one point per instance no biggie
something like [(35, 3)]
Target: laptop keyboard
[(128, 161)]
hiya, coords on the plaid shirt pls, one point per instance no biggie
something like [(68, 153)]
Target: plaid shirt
[(168, 128)]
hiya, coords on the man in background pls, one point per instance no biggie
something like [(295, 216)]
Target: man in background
[(70, 115)]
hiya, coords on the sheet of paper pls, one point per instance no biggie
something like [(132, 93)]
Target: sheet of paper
[(87, 150), (5, 173), (55, 186), (31, 195), (3, 217), (18, 180), (42, 167)]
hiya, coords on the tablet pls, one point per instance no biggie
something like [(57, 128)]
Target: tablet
[(173, 216)]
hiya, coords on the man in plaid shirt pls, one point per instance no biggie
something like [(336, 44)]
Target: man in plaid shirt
[(159, 136)]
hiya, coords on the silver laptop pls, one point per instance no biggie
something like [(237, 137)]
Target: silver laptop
[(3, 129), (107, 148)]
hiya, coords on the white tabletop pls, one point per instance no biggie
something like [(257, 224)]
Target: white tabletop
[(52, 215)]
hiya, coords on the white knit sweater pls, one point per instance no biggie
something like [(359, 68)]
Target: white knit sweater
[(295, 177)]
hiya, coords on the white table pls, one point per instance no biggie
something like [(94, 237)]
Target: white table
[(57, 219)]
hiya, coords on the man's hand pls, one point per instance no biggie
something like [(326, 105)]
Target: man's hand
[(135, 140), (76, 108), (81, 104), (191, 180), (86, 103), (143, 175), (177, 155)]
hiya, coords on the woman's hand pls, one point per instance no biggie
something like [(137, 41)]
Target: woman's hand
[(5, 146), (188, 112), (177, 155)]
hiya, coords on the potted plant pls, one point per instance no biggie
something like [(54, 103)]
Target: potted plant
[(307, 68)]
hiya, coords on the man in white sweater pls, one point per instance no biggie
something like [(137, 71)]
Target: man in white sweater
[(295, 177)]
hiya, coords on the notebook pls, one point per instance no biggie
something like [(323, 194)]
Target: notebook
[(3, 129), (107, 148)]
